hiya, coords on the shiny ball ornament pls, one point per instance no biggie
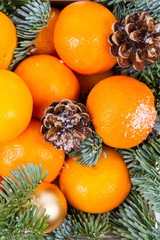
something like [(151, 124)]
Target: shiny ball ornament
[(49, 196)]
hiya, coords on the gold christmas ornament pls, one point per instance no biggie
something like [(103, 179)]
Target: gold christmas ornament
[(50, 197)]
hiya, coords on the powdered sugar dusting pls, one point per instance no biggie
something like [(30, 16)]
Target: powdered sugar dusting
[(143, 118), (73, 42)]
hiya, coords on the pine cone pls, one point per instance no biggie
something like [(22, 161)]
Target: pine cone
[(136, 40), (65, 124)]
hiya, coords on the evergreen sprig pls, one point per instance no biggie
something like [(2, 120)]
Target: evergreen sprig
[(122, 8), (93, 226), (29, 20), (90, 151), (67, 230), (79, 225), (135, 219), (153, 7), (17, 216), (144, 164), (9, 6), (26, 225)]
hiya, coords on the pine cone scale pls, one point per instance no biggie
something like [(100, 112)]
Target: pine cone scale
[(49, 136), (135, 41), (65, 124), (123, 51), (124, 63)]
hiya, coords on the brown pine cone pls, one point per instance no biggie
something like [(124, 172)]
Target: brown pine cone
[(65, 124), (136, 40)]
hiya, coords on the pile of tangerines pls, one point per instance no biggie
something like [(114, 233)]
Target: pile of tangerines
[(72, 55)]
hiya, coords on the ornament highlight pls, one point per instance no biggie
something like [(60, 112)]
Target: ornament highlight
[(49, 196)]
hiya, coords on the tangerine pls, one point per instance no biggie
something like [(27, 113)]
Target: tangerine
[(87, 82), (8, 40), (81, 37), (31, 147), (97, 189), (49, 80), (16, 106), (44, 42), (122, 111)]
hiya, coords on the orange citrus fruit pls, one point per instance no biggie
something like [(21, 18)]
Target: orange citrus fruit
[(44, 42), (122, 111), (81, 37), (49, 197), (49, 80), (97, 189), (16, 105), (8, 41), (88, 81), (31, 147)]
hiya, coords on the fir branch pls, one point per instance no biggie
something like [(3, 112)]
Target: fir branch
[(120, 8), (153, 7), (135, 219), (26, 224), (17, 192), (9, 6), (79, 225), (29, 20), (144, 164), (90, 151), (67, 230), (94, 226)]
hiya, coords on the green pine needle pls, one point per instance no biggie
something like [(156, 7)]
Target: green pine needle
[(17, 216), (79, 225), (9, 6), (144, 164), (153, 7), (67, 230), (122, 8), (29, 20), (93, 226), (135, 219), (90, 151), (25, 225)]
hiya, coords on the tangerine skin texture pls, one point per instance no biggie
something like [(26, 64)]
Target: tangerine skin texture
[(49, 80), (44, 42), (87, 82), (97, 189), (81, 37), (122, 111), (30, 147), (8, 41), (16, 106)]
